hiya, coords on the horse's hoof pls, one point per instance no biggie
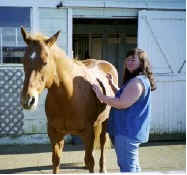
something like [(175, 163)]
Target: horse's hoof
[(85, 167), (103, 171)]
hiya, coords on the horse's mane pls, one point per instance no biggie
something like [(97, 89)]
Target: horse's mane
[(78, 61)]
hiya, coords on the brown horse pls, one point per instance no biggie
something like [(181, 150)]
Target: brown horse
[(71, 105)]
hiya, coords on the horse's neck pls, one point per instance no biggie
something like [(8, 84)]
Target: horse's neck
[(64, 67), (63, 81)]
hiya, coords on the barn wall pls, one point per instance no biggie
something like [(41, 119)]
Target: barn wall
[(153, 4), (168, 107), (168, 101), (51, 21)]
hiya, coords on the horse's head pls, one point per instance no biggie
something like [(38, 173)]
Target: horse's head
[(39, 67)]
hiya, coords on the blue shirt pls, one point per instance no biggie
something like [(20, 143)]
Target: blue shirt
[(134, 121)]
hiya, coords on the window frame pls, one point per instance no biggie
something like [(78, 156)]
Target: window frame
[(33, 10)]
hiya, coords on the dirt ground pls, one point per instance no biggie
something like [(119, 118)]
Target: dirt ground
[(164, 157)]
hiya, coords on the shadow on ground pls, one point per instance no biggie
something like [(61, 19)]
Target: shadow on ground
[(42, 148), (65, 166), (160, 143), (34, 148)]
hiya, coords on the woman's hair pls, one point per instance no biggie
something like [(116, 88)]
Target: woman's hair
[(144, 69)]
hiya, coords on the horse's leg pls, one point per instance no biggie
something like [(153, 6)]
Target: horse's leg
[(88, 139), (102, 143), (57, 142)]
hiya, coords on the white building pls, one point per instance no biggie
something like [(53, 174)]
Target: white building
[(102, 29)]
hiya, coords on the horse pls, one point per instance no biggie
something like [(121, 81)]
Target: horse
[(71, 105)]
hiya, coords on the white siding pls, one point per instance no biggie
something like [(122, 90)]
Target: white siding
[(51, 20), (104, 12), (162, 35), (168, 107), (169, 4), (134, 4), (166, 4)]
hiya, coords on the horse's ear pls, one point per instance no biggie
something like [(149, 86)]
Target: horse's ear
[(25, 35), (53, 39)]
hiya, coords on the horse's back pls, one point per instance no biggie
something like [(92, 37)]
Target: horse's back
[(103, 66)]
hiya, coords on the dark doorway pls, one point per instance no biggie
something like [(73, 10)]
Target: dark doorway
[(107, 39)]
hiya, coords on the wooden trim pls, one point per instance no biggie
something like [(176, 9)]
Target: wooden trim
[(104, 13), (35, 19), (69, 33), (143, 4)]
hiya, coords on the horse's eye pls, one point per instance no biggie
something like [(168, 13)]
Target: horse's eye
[(42, 78), (31, 62), (45, 63), (42, 62)]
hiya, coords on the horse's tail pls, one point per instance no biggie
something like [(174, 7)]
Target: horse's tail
[(97, 133), (99, 127), (97, 142)]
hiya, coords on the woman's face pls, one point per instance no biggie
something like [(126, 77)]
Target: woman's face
[(132, 63)]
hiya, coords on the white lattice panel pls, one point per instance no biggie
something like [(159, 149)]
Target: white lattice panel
[(11, 114)]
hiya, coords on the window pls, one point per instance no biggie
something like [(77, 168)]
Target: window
[(12, 45)]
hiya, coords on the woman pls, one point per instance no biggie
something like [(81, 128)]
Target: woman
[(129, 120)]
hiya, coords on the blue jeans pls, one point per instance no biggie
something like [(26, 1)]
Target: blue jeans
[(127, 152)]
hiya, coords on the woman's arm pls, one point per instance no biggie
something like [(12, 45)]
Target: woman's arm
[(129, 96)]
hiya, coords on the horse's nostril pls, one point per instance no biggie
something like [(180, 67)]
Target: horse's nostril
[(32, 100)]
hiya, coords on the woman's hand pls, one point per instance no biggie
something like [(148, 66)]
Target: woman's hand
[(111, 82), (109, 77), (98, 92)]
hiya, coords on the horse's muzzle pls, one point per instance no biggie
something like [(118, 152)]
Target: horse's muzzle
[(28, 102)]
